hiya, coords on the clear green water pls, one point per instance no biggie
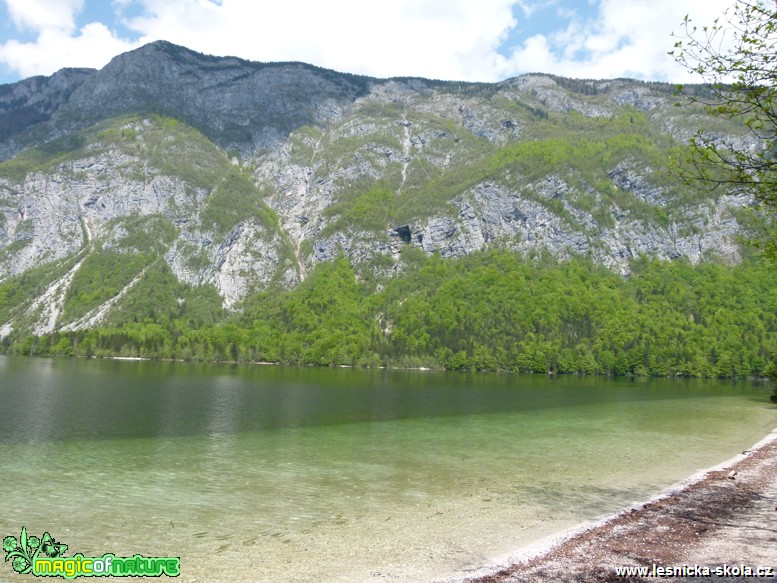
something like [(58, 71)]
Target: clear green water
[(276, 474)]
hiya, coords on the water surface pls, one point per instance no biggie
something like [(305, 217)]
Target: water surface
[(284, 474)]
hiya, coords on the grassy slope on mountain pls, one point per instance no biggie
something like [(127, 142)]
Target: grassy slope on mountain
[(583, 151), (156, 145), (17, 293)]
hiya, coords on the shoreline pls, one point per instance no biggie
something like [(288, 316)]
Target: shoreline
[(725, 514), (749, 379)]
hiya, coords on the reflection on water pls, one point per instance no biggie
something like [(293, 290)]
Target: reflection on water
[(273, 474)]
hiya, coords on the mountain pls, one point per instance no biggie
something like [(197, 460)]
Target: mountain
[(227, 177), (235, 103)]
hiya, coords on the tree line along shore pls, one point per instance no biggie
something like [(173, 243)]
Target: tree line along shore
[(492, 311)]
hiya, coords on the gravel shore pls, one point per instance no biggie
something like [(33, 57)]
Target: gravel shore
[(723, 518)]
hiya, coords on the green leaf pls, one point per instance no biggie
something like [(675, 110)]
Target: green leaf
[(23, 540)]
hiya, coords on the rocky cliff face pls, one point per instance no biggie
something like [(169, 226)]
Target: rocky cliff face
[(27, 105), (242, 176)]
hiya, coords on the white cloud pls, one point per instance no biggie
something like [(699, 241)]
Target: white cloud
[(445, 39), (528, 8), (451, 39), (628, 38), (57, 44), (93, 46), (39, 15)]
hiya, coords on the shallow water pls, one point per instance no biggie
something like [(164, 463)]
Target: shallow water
[(283, 474)]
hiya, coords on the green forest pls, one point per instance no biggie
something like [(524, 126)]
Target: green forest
[(494, 311)]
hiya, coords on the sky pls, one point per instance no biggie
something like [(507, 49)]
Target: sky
[(466, 40)]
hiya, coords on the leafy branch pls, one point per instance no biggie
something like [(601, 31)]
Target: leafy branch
[(737, 60)]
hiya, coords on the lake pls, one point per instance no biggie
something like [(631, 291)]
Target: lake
[(279, 474)]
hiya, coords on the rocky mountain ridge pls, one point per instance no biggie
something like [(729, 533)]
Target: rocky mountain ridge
[(238, 104), (240, 176)]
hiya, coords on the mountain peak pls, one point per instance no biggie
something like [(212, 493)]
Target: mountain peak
[(165, 49), (237, 103)]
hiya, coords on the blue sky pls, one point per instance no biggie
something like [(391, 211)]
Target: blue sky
[(478, 40)]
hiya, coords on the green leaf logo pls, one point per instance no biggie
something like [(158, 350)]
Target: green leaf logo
[(22, 552)]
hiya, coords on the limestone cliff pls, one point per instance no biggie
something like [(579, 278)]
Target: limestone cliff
[(241, 176)]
